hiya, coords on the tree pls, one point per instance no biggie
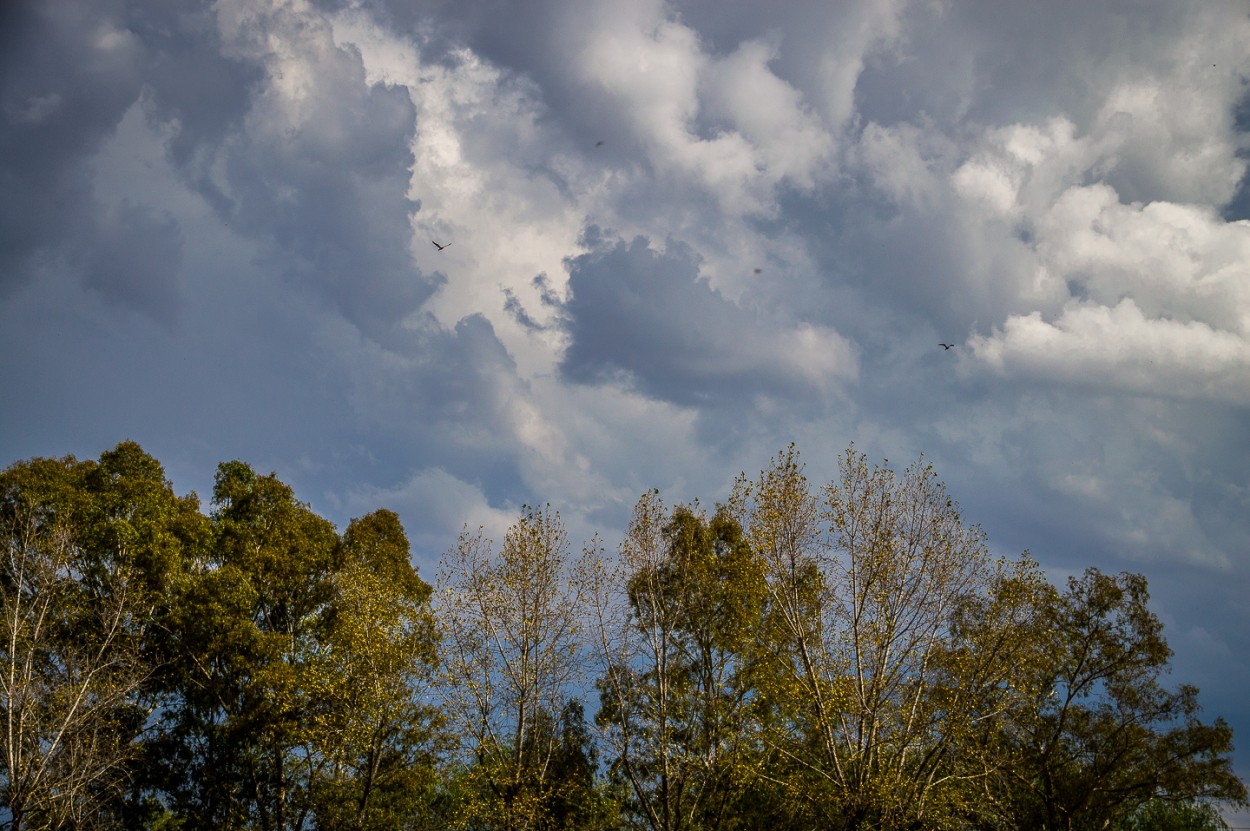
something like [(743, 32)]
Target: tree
[(1164, 815), (846, 657), (881, 676), (577, 800), (1101, 736), (802, 676), (252, 670), (377, 654), (237, 741), (372, 724), (513, 631), (88, 550), (299, 666), (676, 641)]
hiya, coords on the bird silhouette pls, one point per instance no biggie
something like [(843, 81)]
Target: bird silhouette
[(599, 143), (946, 345), (440, 247)]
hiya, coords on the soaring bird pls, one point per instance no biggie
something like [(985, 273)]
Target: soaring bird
[(946, 345), (599, 143), (440, 247)]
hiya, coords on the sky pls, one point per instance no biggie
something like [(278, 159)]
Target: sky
[(679, 236)]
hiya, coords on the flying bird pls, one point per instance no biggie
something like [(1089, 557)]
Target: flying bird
[(599, 143), (440, 247), (946, 345)]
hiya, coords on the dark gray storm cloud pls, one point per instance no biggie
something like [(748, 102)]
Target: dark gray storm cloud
[(196, 90), (322, 181), (649, 319), (134, 262), (318, 174), (68, 73)]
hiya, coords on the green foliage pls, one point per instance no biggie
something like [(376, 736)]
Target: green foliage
[(88, 549), (845, 657), (577, 799), (557, 787), (676, 696), (1164, 815), (1100, 736), (299, 662)]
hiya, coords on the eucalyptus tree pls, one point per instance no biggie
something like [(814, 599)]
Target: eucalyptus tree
[(235, 741), (89, 549), (374, 726), (297, 693), (676, 632)]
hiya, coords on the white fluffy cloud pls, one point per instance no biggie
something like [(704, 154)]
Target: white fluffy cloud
[(1118, 347), (1152, 298), (725, 124)]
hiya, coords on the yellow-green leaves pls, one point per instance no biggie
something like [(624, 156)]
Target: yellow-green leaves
[(85, 551), (872, 693), (845, 656), (678, 642), (513, 629)]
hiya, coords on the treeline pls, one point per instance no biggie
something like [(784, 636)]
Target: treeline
[(840, 657)]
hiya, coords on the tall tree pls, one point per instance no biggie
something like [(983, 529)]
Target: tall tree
[(89, 549), (1101, 735), (237, 737), (677, 642), (372, 720), (802, 675), (577, 797), (296, 695), (878, 683), (513, 634)]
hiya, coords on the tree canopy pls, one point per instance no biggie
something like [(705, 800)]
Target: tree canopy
[(846, 656)]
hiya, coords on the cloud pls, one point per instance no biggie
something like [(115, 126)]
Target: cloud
[(135, 260), (731, 120), (789, 142), (1181, 261), (199, 91), (738, 124), (295, 148), (1120, 348), (1151, 299), (67, 75), (648, 318)]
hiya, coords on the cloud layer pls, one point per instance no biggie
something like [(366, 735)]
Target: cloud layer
[(681, 235)]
